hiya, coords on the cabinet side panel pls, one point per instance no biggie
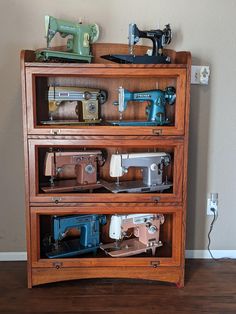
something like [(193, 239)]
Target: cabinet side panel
[(185, 167), (26, 165)]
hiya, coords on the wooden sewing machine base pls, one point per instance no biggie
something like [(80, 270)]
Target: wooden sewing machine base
[(128, 248)]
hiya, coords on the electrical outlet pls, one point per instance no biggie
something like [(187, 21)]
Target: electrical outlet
[(200, 74), (212, 202)]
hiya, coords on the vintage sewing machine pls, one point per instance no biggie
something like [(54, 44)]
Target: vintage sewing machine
[(74, 235), (151, 165), (155, 111), (72, 171), (159, 38), (78, 46), (74, 105), (144, 227)]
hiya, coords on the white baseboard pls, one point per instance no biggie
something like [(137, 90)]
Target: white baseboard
[(206, 254), (22, 256), (13, 256)]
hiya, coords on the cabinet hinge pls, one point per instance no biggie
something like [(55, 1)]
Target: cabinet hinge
[(57, 265), (157, 131), (155, 264)]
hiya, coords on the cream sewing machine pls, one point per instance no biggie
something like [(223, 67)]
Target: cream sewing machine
[(144, 230), (151, 165)]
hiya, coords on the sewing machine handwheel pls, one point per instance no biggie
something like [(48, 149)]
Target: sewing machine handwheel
[(95, 33), (170, 93), (102, 97)]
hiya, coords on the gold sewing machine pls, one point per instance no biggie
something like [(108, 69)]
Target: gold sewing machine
[(74, 105)]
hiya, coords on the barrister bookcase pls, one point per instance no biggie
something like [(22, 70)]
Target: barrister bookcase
[(42, 138)]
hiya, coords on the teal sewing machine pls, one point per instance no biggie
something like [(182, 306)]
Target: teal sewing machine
[(87, 231), (78, 46), (155, 110)]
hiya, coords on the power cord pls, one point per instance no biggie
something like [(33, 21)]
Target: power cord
[(215, 212), (210, 230)]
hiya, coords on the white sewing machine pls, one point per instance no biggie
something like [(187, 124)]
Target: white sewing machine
[(151, 164), (144, 230)]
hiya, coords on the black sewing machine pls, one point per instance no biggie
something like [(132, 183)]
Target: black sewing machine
[(159, 39)]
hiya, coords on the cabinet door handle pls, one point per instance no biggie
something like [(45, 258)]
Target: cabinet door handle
[(57, 265), (157, 131), (155, 264), (156, 199), (55, 132), (56, 199)]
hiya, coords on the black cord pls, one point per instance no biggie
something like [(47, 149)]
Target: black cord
[(209, 233), (209, 238)]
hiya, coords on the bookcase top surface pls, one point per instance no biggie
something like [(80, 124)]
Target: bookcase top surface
[(181, 59)]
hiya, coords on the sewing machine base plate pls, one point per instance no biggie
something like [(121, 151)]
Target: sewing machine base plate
[(161, 59), (128, 248), (134, 187), (70, 248), (137, 123), (70, 186), (47, 54), (71, 122)]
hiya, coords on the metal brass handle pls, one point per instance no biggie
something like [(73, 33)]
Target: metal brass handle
[(157, 131), (156, 199), (56, 199)]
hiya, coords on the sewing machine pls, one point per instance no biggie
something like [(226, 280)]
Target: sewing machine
[(155, 111), (159, 38), (151, 165), (72, 171), (75, 235), (144, 227), (74, 105), (78, 46)]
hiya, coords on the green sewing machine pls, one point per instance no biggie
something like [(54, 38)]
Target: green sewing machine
[(78, 45)]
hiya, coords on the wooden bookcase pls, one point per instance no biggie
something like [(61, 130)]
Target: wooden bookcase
[(168, 264)]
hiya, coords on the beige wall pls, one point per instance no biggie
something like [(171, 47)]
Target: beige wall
[(206, 28)]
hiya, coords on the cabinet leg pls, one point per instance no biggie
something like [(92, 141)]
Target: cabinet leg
[(180, 284)]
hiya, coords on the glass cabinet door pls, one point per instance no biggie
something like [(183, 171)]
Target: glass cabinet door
[(106, 101)]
